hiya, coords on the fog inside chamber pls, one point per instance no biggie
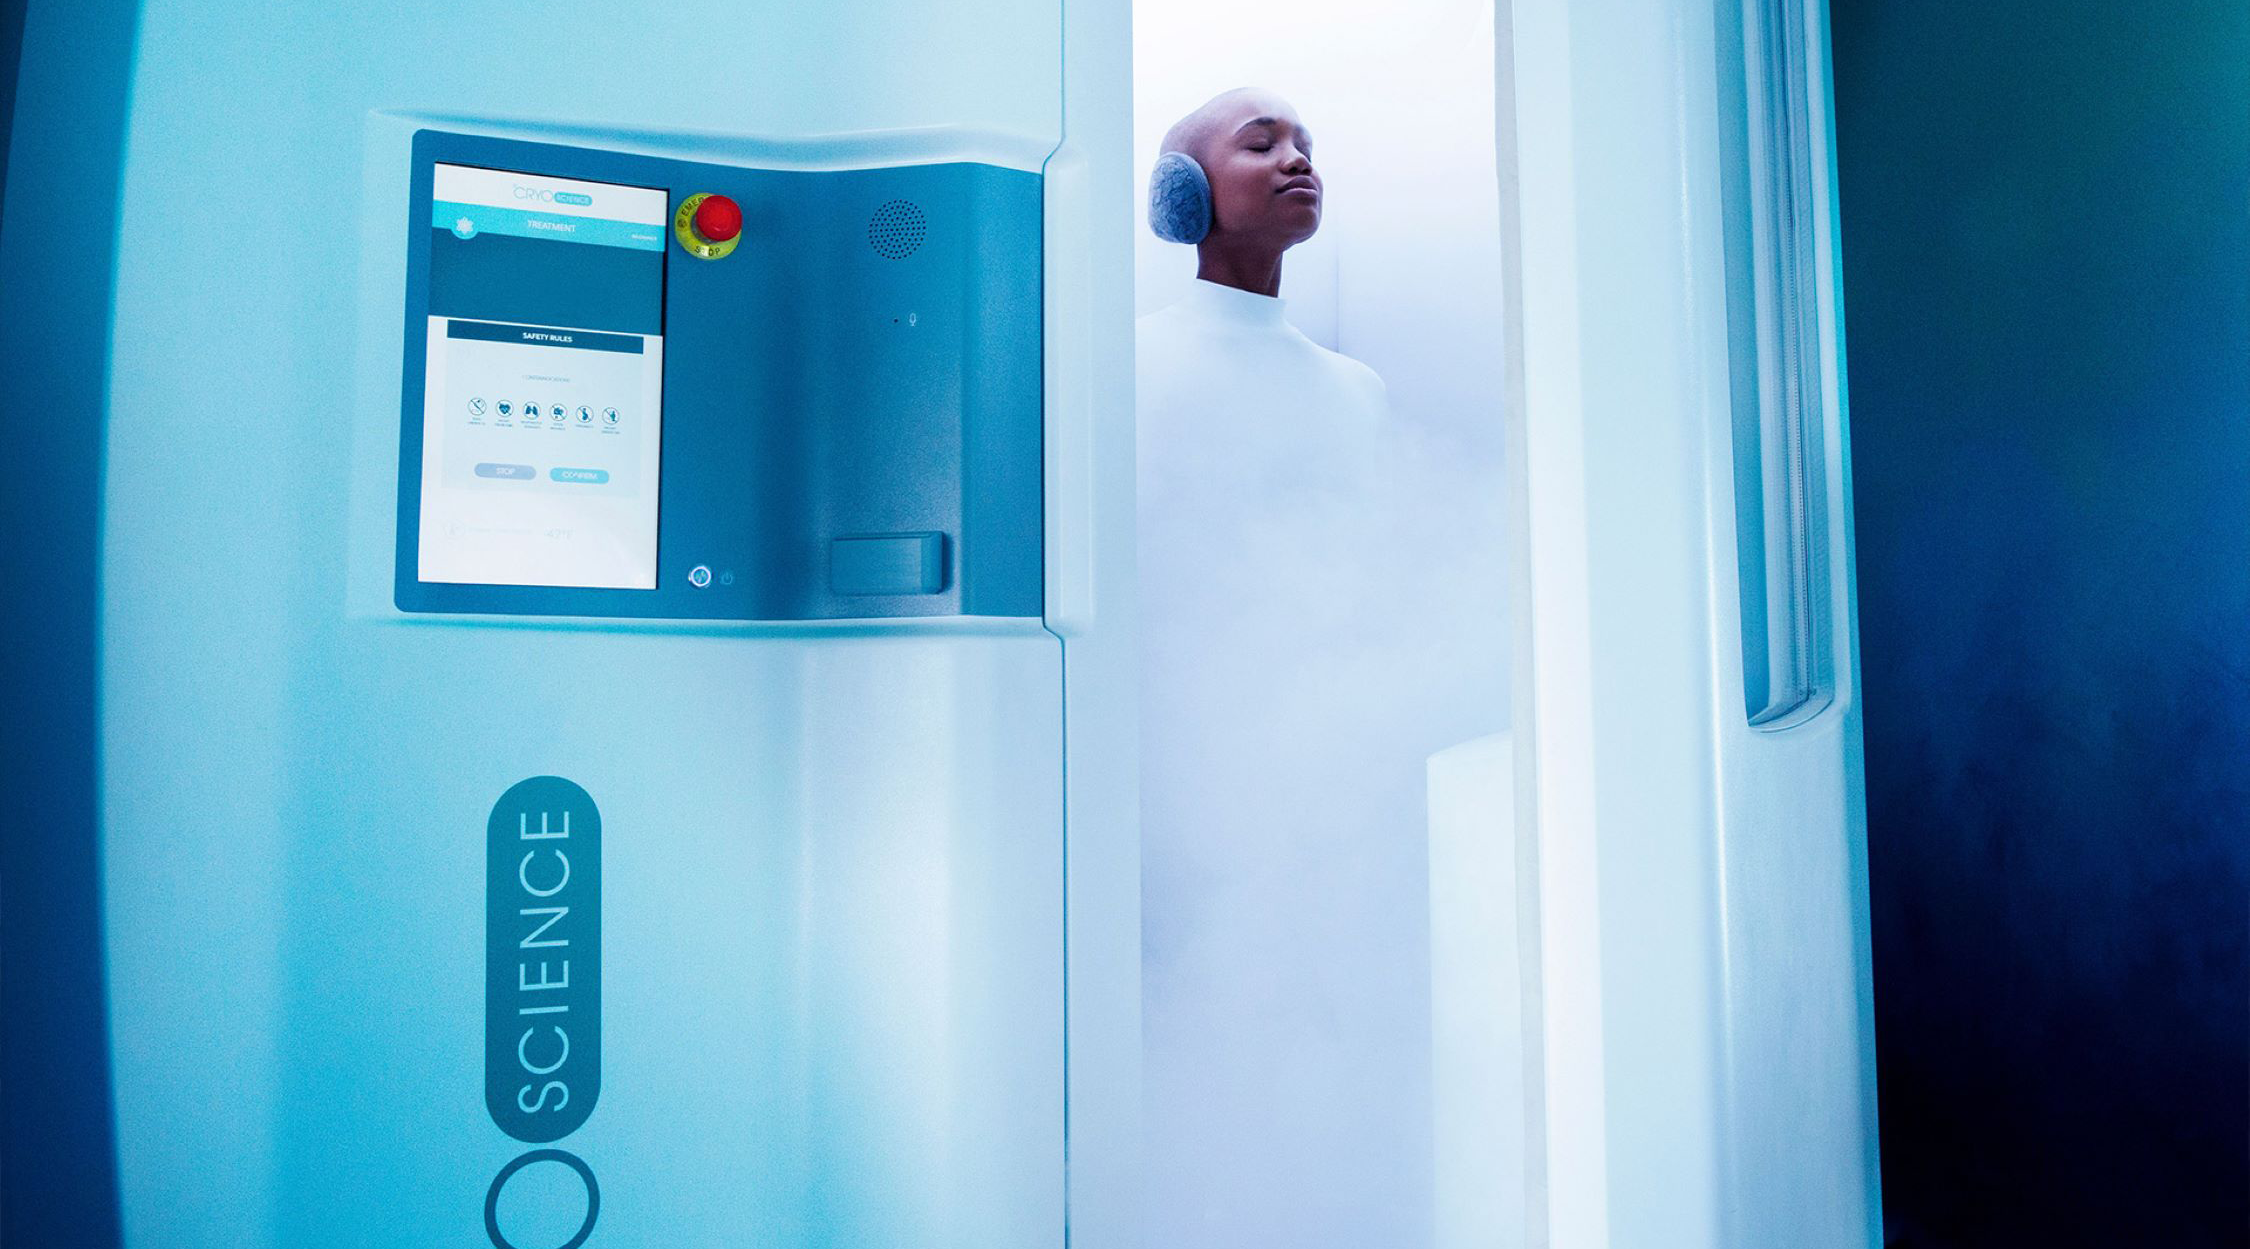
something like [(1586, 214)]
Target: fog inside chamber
[(1330, 985)]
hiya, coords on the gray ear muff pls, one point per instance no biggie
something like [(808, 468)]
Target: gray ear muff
[(1179, 199)]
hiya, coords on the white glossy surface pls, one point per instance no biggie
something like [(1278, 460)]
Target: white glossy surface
[(1701, 1010), (1476, 1015), (835, 860), (1091, 606)]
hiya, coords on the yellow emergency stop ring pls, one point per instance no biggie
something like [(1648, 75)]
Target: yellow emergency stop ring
[(683, 229)]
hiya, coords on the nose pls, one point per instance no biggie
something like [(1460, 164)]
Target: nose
[(1298, 162)]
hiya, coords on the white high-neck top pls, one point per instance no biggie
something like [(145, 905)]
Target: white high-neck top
[(1230, 391), (1284, 734), (1232, 303)]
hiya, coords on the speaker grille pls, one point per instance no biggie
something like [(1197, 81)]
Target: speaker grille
[(897, 229)]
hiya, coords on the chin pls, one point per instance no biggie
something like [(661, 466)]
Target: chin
[(1298, 227)]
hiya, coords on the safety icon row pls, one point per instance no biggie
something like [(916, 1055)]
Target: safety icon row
[(533, 411)]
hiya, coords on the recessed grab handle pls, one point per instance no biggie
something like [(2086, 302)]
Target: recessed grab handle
[(1782, 425)]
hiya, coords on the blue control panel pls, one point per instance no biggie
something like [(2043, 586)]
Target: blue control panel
[(651, 388)]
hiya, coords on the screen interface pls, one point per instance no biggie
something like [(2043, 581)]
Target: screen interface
[(543, 399)]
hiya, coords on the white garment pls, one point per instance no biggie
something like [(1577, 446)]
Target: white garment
[(1288, 686)]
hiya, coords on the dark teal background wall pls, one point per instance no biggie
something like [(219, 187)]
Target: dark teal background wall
[(11, 56), (2047, 292), (64, 135)]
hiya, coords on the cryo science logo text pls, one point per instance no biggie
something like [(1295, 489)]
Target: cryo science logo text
[(547, 196), (542, 982)]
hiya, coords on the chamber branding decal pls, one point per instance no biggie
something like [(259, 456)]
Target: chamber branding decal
[(547, 196), (542, 978)]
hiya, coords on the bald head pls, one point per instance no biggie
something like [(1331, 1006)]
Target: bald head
[(1193, 133)]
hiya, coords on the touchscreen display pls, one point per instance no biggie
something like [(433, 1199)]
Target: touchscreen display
[(543, 401)]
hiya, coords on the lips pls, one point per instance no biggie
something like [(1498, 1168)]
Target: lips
[(1299, 183)]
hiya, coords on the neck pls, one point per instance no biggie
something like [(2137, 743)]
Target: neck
[(1247, 269)]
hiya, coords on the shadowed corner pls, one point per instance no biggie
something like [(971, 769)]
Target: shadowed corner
[(58, 1170)]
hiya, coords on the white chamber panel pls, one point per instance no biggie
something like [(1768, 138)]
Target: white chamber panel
[(834, 874), (1476, 1017), (1700, 1020)]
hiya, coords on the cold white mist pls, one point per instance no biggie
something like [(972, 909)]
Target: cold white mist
[(1322, 586)]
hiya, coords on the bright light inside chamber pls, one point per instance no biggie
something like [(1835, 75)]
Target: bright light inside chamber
[(1312, 993)]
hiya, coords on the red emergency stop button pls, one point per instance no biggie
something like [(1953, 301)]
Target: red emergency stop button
[(718, 218), (708, 226)]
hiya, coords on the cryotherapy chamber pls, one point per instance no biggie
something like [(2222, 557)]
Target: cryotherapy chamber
[(787, 675), (607, 549)]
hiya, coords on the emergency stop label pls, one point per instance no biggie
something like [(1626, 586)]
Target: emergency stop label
[(543, 959)]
